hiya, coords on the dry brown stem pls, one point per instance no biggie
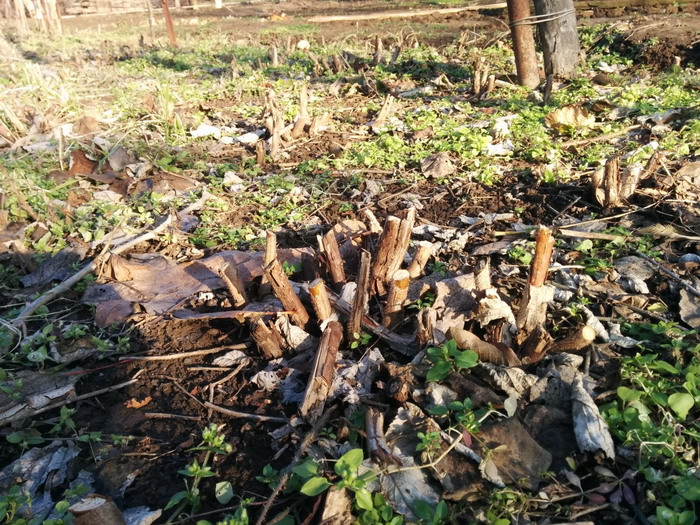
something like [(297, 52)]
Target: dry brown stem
[(359, 303), (466, 340), (319, 299), (398, 291), (321, 378), (267, 339), (234, 284), (285, 293), (95, 509), (578, 340), (423, 252), (334, 261)]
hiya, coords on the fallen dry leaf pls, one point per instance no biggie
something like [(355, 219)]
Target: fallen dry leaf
[(134, 403), (568, 118)]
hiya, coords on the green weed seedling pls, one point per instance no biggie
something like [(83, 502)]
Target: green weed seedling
[(448, 358), (371, 509), (429, 515), (213, 443)]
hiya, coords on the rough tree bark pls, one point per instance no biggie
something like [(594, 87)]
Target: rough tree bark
[(559, 37)]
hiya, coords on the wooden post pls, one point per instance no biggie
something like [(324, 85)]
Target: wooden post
[(523, 43), (285, 293), (169, 22), (229, 273), (558, 36), (398, 291), (320, 300), (267, 339), (361, 297)]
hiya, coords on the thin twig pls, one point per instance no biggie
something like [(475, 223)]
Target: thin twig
[(95, 393), (183, 355), (161, 415), (245, 415), (672, 275)]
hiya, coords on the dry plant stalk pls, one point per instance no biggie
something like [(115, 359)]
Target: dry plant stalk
[(423, 252), (270, 255), (575, 342), (359, 303), (319, 300), (334, 261), (535, 346), (398, 291), (260, 152), (376, 442), (303, 118), (274, 57), (378, 50), (384, 113), (466, 340), (96, 509), (234, 283), (533, 308), (372, 221), (482, 274), (606, 183), (285, 293), (402, 241), (387, 245), (321, 378), (267, 338)]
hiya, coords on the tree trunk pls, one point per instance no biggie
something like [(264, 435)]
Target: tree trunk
[(559, 37)]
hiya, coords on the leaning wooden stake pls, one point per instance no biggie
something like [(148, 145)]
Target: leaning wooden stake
[(319, 299), (321, 378), (267, 338), (359, 304), (331, 251), (234, 283), (536, 296), (96, 509), (398, 291), (285, 293), (423, 252)]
